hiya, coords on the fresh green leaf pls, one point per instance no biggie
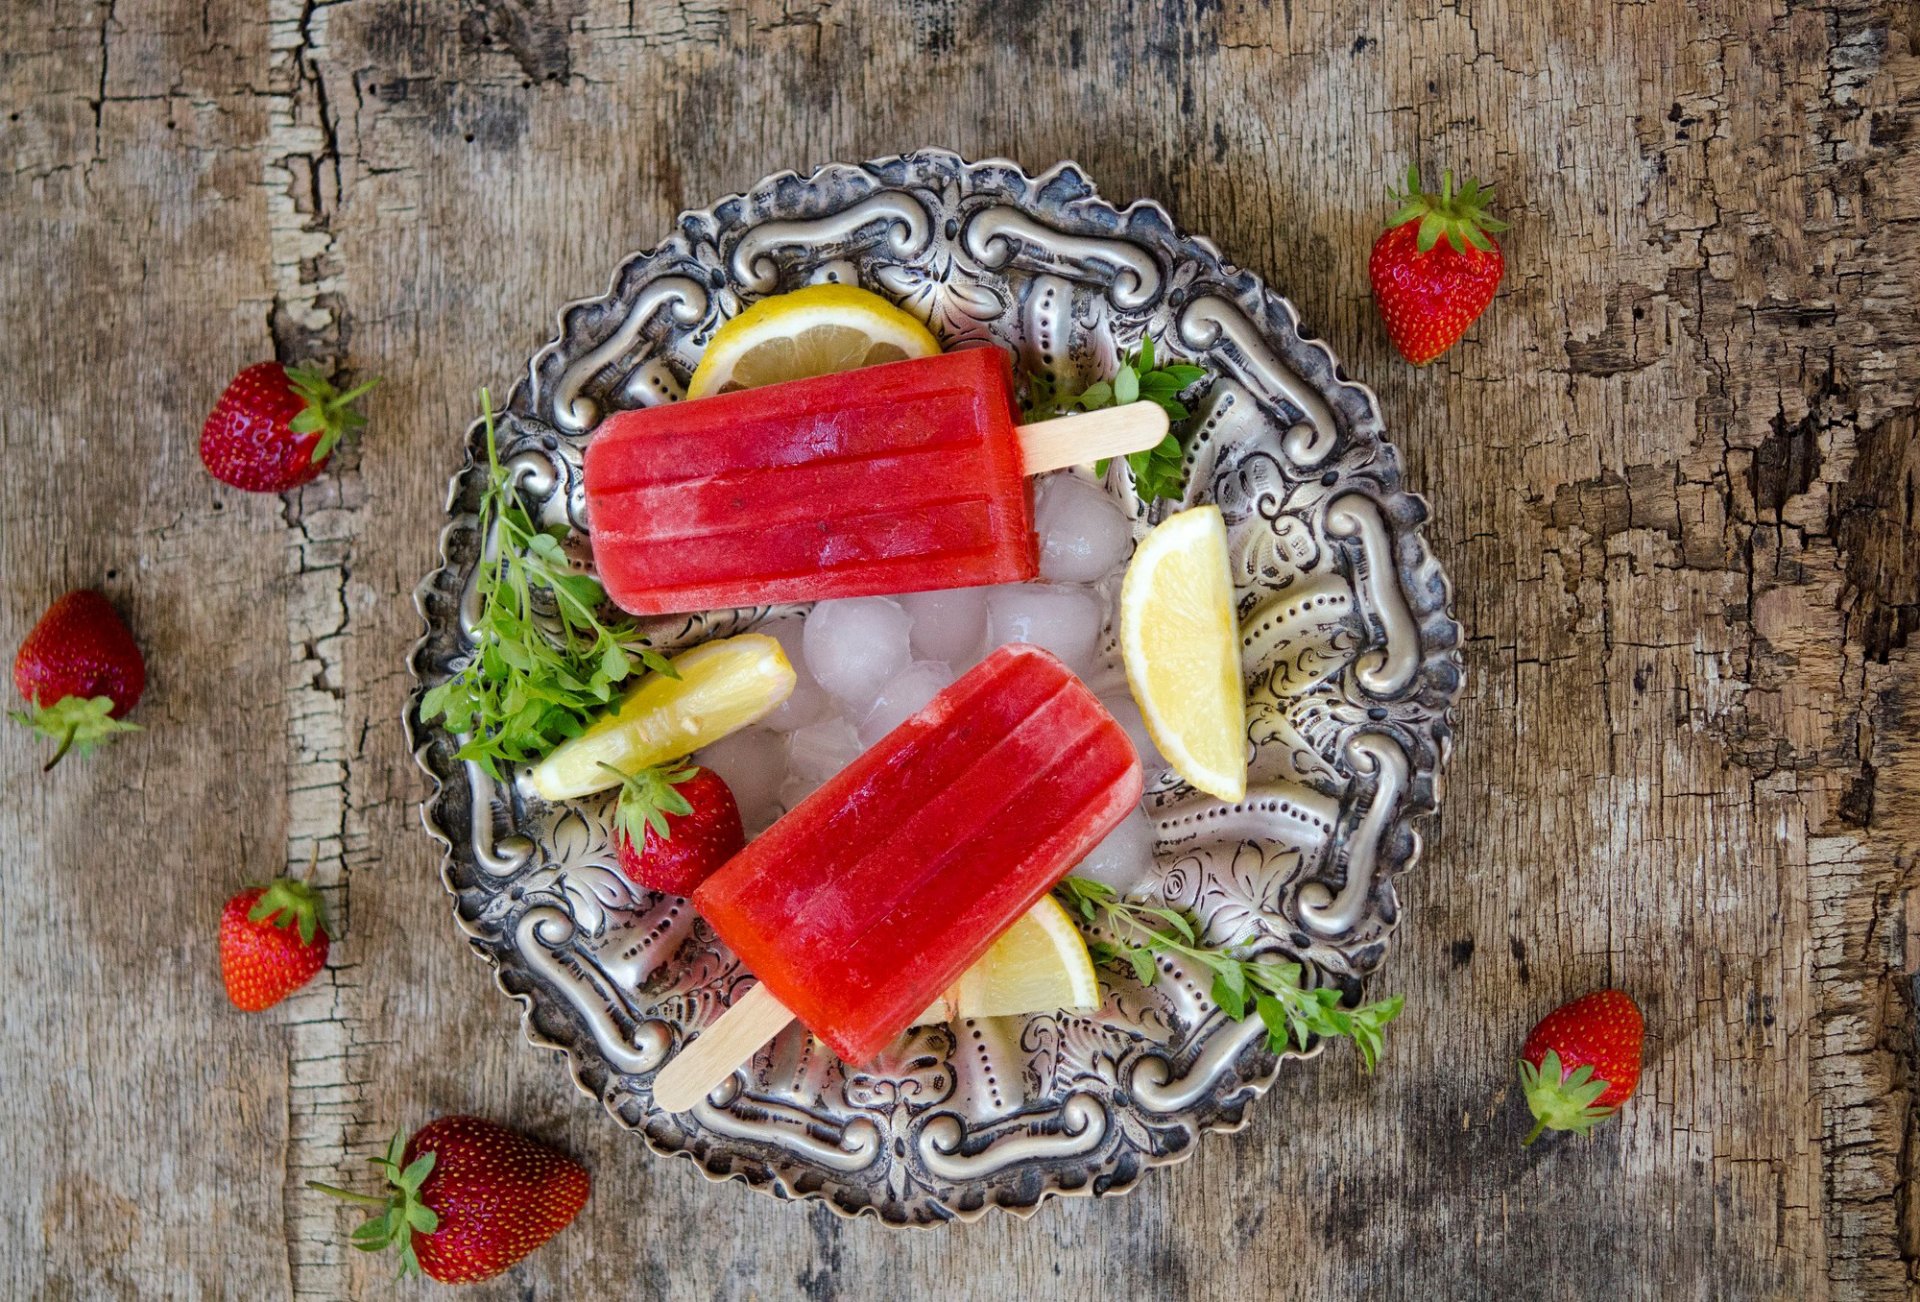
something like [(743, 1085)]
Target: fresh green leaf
[(1230, 992), (1273, 1015), (1159, 472), (1177, 920), (546, 659), (417, 1171), (1143, 967), (1293, 1015)]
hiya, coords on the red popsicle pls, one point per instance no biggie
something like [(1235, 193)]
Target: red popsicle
[(862, 905), (898, 478)]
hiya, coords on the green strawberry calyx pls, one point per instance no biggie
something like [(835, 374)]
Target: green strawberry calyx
[(328, 412), (401, 1210), (1458, 217), (1559, 1100), (647, 797), (78, 723), (289, 903)]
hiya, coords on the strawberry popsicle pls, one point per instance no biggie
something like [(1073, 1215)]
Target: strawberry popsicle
[(862, 905), (904, 477)]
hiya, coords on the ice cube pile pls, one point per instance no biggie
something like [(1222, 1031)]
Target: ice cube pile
[(866, 663)]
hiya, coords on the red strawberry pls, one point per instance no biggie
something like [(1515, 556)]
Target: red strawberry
[(469, 1199), (81, 672), (686, 824), (274, 428), (1434, 270), (1582, 1061), (272, 940)]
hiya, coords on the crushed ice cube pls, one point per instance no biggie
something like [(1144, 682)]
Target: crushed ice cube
[(1124, 857), (809, 702), (753, 762), (854, 645), (1126, 712), (903, 696), (796, 789), (820, 750), (1064, 620), (948, 625), (1083, 532)]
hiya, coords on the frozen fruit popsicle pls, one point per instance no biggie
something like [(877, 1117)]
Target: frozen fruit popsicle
[(862, 905), (905, 477)]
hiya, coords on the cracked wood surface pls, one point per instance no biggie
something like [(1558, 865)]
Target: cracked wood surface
[(1673, 476)]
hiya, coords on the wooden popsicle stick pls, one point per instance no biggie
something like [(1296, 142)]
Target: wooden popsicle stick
[(712, 1056), (1091, 436)]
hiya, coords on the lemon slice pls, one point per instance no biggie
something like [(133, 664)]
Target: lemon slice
[(1039, 965), (1179, 641), (819, 330), (723, 686)]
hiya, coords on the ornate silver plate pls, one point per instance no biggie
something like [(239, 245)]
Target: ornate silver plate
[(1351, 658)]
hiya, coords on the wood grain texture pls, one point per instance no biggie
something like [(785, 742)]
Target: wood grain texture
[(1673, 476)]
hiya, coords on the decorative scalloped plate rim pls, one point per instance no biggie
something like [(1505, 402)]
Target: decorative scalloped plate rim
[(1248, 1069)]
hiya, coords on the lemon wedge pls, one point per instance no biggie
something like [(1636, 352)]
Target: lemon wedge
[(723, 686), (1179, 641), (819, 330), (1039, 965)]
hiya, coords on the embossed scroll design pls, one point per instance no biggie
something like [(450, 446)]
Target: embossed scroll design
[(1346, 647), (685, 299)]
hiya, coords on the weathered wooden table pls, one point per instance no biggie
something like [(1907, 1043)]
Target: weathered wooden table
[(1673, 475)]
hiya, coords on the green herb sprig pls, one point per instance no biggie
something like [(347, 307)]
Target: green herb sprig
[(1293, 1015), (544, 660), (1161, 469)]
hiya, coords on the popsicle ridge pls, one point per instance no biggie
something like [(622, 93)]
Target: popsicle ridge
[(870, 799), (870, 897), (893, 478), (758, 497), (893, 867), (813, 431)]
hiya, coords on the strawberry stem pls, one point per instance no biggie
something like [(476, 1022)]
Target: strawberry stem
[(78, 723), (348, 1195), (647, 797), (66, 744), (289, 903), (328, 412), (1539, 1127)]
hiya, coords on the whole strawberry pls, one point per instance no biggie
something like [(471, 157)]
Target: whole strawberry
[(1582, 1062), (273, 939), (80, 673), (275, 427), (1435, 268), (469, 1198), (675, 826)]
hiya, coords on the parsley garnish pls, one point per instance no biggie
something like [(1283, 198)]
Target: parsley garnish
[(544, 660), (1293, 1015), (1159, 471)]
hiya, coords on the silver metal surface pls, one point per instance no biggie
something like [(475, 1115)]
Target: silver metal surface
[(1350, 651)]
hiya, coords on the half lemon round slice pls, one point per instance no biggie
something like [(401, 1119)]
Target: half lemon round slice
[(819, 330)]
